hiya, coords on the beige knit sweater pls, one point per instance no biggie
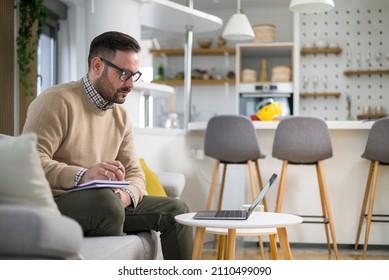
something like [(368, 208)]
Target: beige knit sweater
[(73, 133)]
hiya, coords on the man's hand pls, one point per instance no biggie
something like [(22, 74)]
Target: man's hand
[(124, 197), (106, 170)]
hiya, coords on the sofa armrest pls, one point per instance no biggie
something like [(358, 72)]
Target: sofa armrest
[(33, 233), (172, 182)]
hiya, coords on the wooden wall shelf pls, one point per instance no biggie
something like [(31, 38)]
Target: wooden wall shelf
[(320, 94), (194, 82), (336, 51), (349, 73), (180, 52), (371, 116)]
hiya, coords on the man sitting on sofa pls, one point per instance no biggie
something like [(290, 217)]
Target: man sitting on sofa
[(84, 135)]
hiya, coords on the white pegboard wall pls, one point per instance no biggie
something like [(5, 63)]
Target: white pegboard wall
[(360, 29)]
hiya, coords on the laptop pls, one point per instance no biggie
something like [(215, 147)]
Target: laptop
[(235, 214)]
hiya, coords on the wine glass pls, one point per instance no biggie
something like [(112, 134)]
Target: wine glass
[(305, 81), (358, 58), (378, 55), (349, 57), (368, 57), (325, 81), (315, 81)]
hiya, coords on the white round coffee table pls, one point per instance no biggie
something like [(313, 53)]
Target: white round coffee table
[(256, 220)]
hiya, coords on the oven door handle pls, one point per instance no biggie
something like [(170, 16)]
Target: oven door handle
[(265, 95)]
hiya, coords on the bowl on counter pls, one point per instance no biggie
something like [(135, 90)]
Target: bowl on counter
[(205, 43)]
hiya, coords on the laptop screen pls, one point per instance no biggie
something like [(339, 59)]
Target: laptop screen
[(262, 194)]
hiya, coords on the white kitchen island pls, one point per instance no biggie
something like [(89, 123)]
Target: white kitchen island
[(346, 174)]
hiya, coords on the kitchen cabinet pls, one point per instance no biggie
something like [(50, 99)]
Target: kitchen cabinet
[(259, 60)]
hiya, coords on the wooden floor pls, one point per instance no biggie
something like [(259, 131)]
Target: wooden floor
[(250, 251)]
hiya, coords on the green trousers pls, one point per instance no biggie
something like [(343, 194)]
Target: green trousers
[(100, 213)]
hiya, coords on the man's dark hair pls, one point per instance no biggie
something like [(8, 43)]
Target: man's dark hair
[(106, 45)]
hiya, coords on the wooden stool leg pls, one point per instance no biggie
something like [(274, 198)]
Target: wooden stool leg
[(219, 204), (220, 200), (213, 185), (327, 206), (364, 204), (371, 205), (324, 209), (252, 182), (281, 188)]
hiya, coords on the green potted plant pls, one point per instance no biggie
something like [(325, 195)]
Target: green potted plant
[(32, 17)]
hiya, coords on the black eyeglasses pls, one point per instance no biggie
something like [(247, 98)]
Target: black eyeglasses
[(125, 74)]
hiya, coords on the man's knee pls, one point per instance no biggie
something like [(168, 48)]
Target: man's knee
[(110, 211), (177, 207)]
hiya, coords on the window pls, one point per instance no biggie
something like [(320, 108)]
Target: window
[(47, 70)]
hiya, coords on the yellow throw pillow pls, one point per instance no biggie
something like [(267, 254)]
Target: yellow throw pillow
[(153, 185)]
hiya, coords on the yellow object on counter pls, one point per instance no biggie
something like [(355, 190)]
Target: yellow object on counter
[(268, 112)]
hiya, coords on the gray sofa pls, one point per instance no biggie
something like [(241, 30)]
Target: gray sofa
[(32, 232)]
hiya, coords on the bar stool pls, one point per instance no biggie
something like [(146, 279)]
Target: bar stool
[(232, 139), (377, 152), (305, 140)]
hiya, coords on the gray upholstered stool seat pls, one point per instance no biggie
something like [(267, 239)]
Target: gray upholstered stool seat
[(232, 139), (305, 140), (377, 152)]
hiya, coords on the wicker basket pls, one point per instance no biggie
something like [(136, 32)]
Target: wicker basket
[(280, 73), (264, 33), (249, 76)]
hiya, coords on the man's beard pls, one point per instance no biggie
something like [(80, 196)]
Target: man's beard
[(105, 88)]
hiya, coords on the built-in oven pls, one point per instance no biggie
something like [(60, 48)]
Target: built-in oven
[(251, 96)]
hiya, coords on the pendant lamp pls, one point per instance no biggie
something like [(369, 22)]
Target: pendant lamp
[(238, 28), (311, 6)]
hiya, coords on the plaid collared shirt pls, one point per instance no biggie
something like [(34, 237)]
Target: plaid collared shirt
[(94, 96)]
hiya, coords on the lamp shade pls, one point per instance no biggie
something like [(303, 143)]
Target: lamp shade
[(311, 6), (238, 28)]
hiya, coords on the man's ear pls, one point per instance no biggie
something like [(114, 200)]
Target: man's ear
[(97, 66)]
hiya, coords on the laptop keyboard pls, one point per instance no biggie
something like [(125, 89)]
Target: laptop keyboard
[(229, 213)]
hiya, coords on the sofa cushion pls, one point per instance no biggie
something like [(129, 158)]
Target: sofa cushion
[(153, 184), (141, 246), (31, 233), (23, 180)]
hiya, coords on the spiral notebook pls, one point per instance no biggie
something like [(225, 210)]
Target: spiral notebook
[(100, 184), (235, 214)]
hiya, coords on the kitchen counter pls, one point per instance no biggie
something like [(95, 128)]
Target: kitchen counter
[(273, 125)]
